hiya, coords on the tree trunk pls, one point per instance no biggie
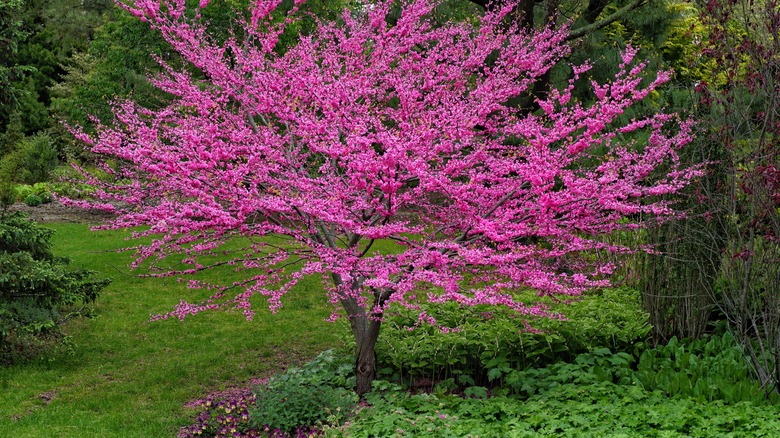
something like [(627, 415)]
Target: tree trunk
[(365, 326), (365, 362)]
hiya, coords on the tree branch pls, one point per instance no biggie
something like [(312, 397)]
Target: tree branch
[(617, 15)]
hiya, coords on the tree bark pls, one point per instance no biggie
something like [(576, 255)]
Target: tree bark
[(365, 362), (365, 325), (606, 21), (594, 9)]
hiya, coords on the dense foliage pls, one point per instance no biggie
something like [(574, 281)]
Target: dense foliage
[(479, 342), (38, 291), (566, 410), (743, 124)]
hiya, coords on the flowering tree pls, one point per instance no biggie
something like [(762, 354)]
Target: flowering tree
[(367, 131)]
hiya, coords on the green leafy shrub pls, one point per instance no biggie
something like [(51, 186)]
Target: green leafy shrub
[(33, 200), (611, 318), (41, 188), (38, 291), (588, 368), (22, 191), (318, 392), (44, 190), (487, 339), (711, 368)]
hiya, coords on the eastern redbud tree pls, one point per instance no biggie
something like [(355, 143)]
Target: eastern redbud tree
[(367, 131)]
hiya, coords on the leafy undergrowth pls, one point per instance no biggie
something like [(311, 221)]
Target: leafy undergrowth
[(602, 409), (699, 389), (598, 394), (554, 382), (597, 409)]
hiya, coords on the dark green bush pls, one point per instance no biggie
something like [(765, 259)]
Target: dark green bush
[(486, 338), (38, 291), (38, 158), (319, 392), (33, 200)]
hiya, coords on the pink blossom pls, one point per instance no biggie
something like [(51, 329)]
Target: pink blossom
[(366, 131)]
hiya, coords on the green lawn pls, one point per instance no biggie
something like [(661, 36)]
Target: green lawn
[(130, 377)]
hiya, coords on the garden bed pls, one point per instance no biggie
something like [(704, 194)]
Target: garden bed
[(55, 211)]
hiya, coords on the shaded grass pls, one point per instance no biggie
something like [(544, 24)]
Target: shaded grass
[(129, 377)]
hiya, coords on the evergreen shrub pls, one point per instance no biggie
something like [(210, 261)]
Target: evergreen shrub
[(38, 290)]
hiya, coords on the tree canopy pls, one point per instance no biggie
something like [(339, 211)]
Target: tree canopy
[(367, 130)]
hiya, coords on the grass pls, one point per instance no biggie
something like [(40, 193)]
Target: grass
[(130, 377)]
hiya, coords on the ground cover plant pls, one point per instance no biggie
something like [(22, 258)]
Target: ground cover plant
[(571, 410), (689, 388), (319, 390), (376, 128), (128, 377)]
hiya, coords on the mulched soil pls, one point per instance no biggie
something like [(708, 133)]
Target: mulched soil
[(56, 212)]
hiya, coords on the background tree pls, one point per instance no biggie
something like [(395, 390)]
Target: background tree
[(55, 29), (39, 36), (11, 33), (742, 119), (600, 28), (367, 131)]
